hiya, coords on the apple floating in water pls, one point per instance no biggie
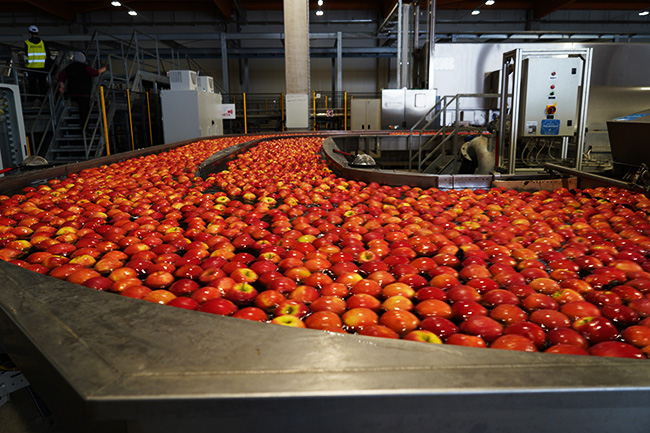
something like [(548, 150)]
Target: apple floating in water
[(277, 237)]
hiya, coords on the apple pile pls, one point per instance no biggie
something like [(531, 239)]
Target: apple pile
[(277, 237)]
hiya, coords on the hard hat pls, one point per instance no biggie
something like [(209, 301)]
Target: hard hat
[(78, 56), (33, 29)]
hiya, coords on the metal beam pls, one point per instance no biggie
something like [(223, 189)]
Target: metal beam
[(224, 63), (241, 12), (543, 8), (225, 7), (55, 7), (339, 69)]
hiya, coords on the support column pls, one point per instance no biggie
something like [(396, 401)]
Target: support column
[(405, 48), (246, 80), (224, 63), (339, 68), (400, 53), (431, 42), (296, 62)]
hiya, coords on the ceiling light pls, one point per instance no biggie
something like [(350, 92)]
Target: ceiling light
[(644, 13), (320, 2), (319, 13), (489, 2), (132, 13), (476, 12), (116, 4)]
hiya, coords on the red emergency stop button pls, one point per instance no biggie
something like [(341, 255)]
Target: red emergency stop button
[(550, 109)]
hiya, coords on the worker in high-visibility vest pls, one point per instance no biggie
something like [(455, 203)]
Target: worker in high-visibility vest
[(38, 63)]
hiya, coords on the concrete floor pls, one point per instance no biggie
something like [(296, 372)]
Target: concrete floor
[(21, 415)]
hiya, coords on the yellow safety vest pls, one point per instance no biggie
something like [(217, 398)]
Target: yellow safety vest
[(36, 55)]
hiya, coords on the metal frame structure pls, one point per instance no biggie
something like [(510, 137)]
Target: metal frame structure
[(511, 94)]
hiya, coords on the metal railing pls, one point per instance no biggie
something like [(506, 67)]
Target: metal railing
[(128, 63), (438, 114)]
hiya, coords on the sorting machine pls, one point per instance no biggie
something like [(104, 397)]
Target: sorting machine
[(108, 363)]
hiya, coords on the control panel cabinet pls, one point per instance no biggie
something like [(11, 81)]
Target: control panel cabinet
[(189, 114), (365, 114), (550, 96)]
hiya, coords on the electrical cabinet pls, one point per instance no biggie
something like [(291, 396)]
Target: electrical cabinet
[(205, 83), (13, 142), (550, 96), (365, 114), (189, 114), (297, 110), (402, 108), (182, 80)]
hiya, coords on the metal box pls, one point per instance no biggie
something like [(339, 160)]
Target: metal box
[(392, 109), (417, 103), (13, 142), (182, 80), (205, 83), (365, 114), (297, 110), (189, 114), (550, 96), (402, 108)]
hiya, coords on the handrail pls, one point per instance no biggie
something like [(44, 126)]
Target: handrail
[(440, 112), (127, 62), (445, 102)]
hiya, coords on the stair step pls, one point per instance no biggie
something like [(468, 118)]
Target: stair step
[(68, 147), (67, 160), (69, 138), (76, 153)]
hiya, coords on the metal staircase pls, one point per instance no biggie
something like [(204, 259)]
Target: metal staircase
[(70, 141), (436, 153), (53, 126)]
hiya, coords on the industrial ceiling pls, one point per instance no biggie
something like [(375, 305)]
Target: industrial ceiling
[(230, 9)]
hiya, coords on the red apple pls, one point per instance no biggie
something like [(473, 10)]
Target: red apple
[(440, 326), (329, 303), (566, 349), (465, 309), (357, 318), (269, 300), (288, 320), (363, 300), (466, 340), (596, 329), (508, 314), (482, 326), (205, 294), (423, 336), (514, 342), (220, 306), (137, 292), (529, 330), (184, 303), (637, 335), (98, 283), (251, 313), (289, 307), (616, 349), (325, 321), (566, 336), (434, 308)]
